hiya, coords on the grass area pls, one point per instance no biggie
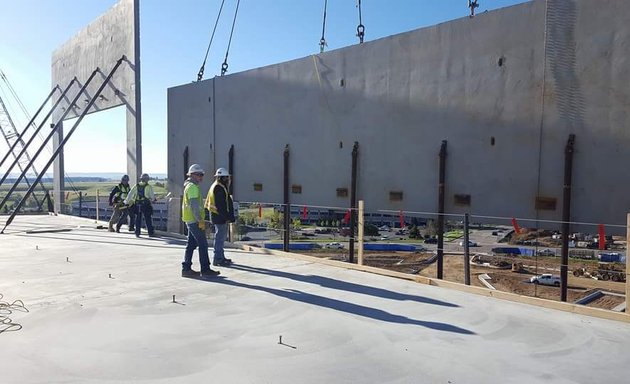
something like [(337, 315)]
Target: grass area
[(87, 189)]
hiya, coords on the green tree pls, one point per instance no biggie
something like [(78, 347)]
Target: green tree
[(413, 232), (370, 230), (275, 220), (296, 224)]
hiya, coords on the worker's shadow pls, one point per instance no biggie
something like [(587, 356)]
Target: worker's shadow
[(345, 306), (344, 286)]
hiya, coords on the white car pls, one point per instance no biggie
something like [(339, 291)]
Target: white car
[(546, 252), (334, 246), (546, 279)]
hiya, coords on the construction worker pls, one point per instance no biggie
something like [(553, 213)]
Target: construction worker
[(116, 200), (142, 196), (193, 217), (219, 203)]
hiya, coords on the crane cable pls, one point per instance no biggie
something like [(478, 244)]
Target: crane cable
[(472, 4), (322, 41), (203, 66), (224, 66), (360, 27)]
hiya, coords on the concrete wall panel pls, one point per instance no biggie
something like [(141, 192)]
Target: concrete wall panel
[(477, 83), (100, 44)]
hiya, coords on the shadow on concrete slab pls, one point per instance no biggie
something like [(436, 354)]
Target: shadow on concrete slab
[(344, 306), (327, 282)]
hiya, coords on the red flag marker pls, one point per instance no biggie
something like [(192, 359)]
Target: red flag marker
[(401, 217), (346, 218), (259, 210), (304, 213), (602, 237), (517, 229)]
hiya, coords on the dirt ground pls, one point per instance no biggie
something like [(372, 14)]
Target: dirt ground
[(502, 279)]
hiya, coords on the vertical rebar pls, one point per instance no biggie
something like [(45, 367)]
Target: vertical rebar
[(466, 251), (566, 214), (287, 206), (440, 226), (353, 200)]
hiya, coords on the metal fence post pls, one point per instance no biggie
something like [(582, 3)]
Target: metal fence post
[(466, 252), (80, 204), (97, 204), (361, 222)]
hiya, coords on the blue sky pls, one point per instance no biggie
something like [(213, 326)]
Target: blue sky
[(174, 38)]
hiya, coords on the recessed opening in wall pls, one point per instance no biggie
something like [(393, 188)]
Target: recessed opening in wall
[(461, 199), (545, 203), (501, 61), (257, 187), (340, 144), (342, 192), (295, 188), (395, 195), (342, 82), (492, 140)]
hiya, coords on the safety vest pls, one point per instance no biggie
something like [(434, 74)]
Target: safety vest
[(140, 193), (123, 191), (210, 203), (191, 192)]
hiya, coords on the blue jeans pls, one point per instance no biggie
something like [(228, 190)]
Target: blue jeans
[(196, 238), (220, 233)]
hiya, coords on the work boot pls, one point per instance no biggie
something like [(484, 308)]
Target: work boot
[(223, 263), (190, 273), (110, 229), (131, 229), (210, 273)]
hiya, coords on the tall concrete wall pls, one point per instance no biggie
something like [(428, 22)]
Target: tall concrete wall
[(100, 45), (505, 89)]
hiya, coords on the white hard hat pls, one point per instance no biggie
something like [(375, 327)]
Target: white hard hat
[(221, 172), (195, 168)]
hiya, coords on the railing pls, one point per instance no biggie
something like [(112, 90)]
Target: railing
[(507, 254)]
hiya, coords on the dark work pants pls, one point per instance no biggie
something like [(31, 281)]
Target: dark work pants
[(144, 209)]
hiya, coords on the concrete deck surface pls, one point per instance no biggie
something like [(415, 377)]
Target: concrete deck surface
[(337, 325)]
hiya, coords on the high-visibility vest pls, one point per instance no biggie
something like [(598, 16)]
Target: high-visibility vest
[(191, 191), (210, 203), (123, 190)]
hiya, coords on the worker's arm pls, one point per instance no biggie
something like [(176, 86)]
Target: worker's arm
[(112, 194), (220, 201), (131, 196)]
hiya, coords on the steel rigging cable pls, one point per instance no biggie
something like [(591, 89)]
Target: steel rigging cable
[(203, 66), (322, 41), (224, 66), (360, 27)]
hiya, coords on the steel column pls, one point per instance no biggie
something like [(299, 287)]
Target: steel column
[(440, 226), (566, 214)]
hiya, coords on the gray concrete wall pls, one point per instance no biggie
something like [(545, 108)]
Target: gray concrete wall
[(100, 45), (400, 96)]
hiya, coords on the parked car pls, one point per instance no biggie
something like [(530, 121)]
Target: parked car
[(384, 237), (246, 238), (334, 246), (431, 240), (470, 244), (546, 252), (546, 279), (384, 228)]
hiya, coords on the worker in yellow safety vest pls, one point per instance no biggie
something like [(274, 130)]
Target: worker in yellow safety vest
[(219, 203), (142, 196), (193, 217), (116, 200)]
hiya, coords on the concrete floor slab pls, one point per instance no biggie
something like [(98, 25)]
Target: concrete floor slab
[(100, 310)]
